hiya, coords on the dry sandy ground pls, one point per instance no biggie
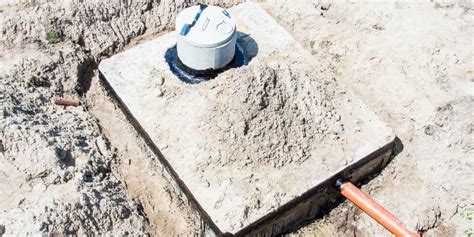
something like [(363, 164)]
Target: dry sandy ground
[(412, 63), (84, 169)]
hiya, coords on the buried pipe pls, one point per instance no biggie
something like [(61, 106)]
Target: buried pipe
[(65, 101), (374, 210)]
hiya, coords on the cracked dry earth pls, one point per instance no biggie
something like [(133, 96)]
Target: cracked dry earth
[(84, 170)]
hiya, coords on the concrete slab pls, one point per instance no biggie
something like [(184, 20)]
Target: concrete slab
[(224, 192)]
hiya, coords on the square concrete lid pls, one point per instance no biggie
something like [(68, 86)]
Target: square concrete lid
[(129, 75)]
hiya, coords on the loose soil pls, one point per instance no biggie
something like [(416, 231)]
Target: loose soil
[(84, 170)]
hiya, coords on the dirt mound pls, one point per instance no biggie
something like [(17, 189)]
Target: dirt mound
[(276, 119)]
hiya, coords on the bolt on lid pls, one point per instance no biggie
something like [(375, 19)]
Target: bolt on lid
[(205, 26)]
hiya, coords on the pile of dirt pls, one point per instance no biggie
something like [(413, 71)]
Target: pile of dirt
[(283, 111)]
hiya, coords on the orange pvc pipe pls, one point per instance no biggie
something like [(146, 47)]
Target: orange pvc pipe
[(375, 210), (65, 101)]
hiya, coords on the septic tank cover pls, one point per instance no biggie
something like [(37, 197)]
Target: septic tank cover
[(213, 26)]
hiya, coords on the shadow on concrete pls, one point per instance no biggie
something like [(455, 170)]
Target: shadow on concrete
[(249, 46)]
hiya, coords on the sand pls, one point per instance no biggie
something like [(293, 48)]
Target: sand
[(411, 63)]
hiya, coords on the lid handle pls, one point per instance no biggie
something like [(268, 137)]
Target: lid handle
[(187, 27)]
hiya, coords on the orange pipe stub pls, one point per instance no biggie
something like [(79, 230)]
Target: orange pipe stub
[(375, 210), (65, 101)]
